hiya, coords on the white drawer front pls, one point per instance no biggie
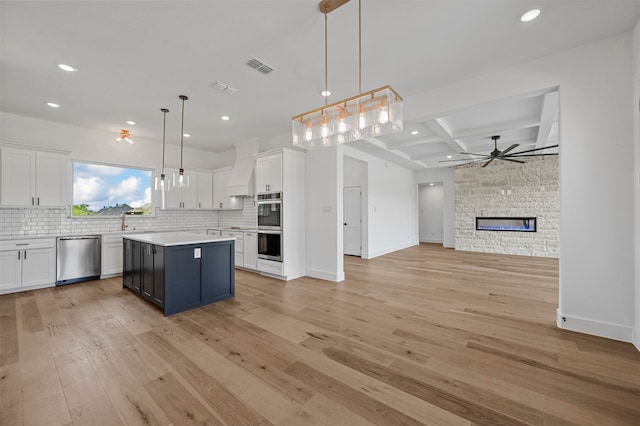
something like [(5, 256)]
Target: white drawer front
[(270, 267)]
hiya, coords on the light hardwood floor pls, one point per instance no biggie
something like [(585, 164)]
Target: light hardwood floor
[(423, 336)]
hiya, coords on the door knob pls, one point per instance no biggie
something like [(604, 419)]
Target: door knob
[(345, 224)]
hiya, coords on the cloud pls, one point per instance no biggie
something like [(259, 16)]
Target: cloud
[(146, 200), (92, 191)]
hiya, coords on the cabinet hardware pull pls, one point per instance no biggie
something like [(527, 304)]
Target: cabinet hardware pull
[(18, 254), (33, 201), (22, 244), (25, 255), (38, 200)]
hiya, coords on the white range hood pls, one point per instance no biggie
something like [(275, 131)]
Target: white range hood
[(241, 178)]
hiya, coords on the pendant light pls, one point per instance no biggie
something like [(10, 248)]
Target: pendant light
[(162, 184), (369, 114), (181, 181)]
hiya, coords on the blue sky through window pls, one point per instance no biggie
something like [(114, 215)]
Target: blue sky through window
[(102, 186)]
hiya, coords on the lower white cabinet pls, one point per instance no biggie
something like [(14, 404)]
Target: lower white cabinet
[(271, 267), (27, 264), (251, 250), (239, 246), (111, 262)]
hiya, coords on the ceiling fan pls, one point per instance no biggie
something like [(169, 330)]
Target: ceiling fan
[(505, 155)]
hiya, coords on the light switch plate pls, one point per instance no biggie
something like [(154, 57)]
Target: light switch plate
[(197, 253)]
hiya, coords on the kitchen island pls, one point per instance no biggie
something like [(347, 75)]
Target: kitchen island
[(178, 271)]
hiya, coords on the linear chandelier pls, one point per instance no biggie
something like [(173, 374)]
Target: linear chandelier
[(369, 114)]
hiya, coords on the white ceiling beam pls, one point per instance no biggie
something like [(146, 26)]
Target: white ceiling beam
[(379, 149), (413, 142), (441, 129), (547, 118), (497, 128)]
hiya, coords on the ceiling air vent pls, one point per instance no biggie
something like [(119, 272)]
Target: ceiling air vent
[(260, 66), (224, 88)]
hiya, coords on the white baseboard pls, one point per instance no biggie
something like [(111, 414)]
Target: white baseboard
[(636, 338), (376, 253), (431, 241), (595, 328), (449, 244), (324, 275), (20, 289)]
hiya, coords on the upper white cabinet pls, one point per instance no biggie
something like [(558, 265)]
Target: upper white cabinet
[(205, 190), (185, 197), (33, 178), (221, 199), (269, 174)]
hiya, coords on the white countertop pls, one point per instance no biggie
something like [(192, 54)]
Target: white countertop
[(176, 238)]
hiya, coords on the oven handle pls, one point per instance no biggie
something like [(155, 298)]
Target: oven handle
[(270, 202), (262, 231)]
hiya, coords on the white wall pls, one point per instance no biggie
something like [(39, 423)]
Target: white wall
[(430, 213), (92, 145), (391, 206), (635, 107), (596, 263), (324, 238), (445, 176)]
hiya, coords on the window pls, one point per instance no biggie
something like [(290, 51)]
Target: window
[(101, 190)]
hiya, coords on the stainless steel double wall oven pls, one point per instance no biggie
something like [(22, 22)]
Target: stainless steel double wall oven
[(270, 226)]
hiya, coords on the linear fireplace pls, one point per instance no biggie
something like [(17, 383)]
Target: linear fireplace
[(517, 224)]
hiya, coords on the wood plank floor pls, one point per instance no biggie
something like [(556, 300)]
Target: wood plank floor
[(423, 336)]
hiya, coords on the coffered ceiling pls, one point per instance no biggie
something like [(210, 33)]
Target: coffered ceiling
[(135, 57)]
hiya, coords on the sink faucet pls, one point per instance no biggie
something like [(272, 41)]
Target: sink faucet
[(123, 224)]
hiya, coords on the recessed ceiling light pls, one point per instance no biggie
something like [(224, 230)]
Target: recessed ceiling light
[(431, 184), (225, 117), (53, 105), (325, 93), (530, 15), (65, 67), (130, 122), (415, 132), (186, 135), (449, 156)]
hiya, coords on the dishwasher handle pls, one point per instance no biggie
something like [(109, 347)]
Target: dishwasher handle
[(78, 238)]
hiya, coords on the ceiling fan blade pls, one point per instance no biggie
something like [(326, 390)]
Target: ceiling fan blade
[(502, 154), (534, 149), (531, 155), (469, 160), (471, 153), (487, 163), (509, 159)]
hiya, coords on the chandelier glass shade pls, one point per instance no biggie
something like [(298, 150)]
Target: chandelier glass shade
[(367, 115)]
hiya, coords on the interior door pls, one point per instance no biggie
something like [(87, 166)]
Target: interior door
[(352, 216)]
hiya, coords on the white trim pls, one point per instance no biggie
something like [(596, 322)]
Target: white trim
[(449, 244), (376, 253), (636, 339), (429, 240), (595, 328), (20, 289), (324, 275)]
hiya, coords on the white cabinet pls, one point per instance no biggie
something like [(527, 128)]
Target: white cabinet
[(283, 170), (251, 250), (111, 255), (185, 197), (221, 200), (269, 174), (33, 178), (239, 246), (205, 191), (27, 264)]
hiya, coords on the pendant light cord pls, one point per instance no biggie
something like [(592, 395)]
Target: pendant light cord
[(184, 98), (360, 46), (326, 61), (164, 131)]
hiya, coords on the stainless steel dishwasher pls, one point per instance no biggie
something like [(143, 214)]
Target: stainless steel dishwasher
[(77, 259)]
